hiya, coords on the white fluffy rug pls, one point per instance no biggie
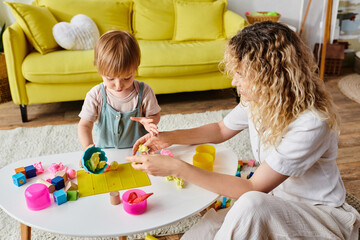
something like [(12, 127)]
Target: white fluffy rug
[(21, 143)]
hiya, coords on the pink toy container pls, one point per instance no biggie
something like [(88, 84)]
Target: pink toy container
[(37, 197), (136, 208)]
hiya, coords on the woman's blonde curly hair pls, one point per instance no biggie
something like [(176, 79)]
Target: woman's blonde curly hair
[(283, 78)]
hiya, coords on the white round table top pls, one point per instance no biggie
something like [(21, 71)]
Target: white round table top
[(94, 215)]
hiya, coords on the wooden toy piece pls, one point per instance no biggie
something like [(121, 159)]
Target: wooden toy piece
[(70, 186), (61, 174), (115, 197), (244, 176), (250, 175), (50, 186), (149, 237), (217, 205), (72, 195), (141, 198), (60, 197), (19, 179), (58, 182), (20, 169), (142, 148), (30, 171), (223, 204), (228, 202), (251, 163)]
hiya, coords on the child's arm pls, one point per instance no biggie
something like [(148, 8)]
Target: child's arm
[(85, 133), (149, 123)]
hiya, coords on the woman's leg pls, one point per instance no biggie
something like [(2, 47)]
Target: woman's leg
[(257, 215)]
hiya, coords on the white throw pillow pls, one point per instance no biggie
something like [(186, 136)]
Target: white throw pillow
[(80, 34)]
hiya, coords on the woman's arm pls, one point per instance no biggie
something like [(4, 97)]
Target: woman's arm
[(85, 133), (210, 133), (264, 179)]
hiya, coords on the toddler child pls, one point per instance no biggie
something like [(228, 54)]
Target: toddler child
[(122, 108)]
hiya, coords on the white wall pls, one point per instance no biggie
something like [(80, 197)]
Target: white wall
[(292, 12), (5, 14)]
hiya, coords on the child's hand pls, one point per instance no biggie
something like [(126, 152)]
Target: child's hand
[(148, 124)]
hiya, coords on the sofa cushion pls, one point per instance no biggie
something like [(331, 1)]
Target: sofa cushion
[(165, 58), (198, 20), (154, 19), (61, 67), (81, 33), (37, 24), (158, 59), (108, 15)]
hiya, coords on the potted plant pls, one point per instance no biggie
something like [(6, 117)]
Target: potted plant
[(4, 83)]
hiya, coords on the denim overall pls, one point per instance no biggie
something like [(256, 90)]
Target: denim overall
[(116, 129)]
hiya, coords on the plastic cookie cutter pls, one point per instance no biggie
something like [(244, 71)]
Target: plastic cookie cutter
[(94, 160)]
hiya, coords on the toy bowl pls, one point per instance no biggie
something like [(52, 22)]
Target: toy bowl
[(206, 148), (87, 155), (37, 197), (135, 208), (204, 161)]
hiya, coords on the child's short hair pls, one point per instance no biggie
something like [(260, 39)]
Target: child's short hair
[(117, 53)]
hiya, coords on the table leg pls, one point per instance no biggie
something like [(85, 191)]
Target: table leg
[(123, 238), (25, 232)]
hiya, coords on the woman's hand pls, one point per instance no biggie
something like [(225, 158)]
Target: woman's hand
[(154, 143), (156, 164), (148, 124)]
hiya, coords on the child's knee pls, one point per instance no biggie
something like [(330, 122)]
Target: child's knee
[(250, 202)]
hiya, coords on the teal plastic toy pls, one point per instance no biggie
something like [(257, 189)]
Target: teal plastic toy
[(87, 155)]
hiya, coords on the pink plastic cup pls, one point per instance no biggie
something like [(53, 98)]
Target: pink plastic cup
[(135, 208), (37, 197)]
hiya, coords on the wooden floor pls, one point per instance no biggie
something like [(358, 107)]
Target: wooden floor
[(349, 144)]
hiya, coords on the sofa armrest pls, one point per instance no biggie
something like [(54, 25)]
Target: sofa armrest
[(16, 47), (233, 23)]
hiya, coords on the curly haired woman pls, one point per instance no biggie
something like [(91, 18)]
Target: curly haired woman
[(297, 191)]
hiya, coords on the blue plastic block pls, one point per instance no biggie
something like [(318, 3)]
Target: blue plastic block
[(58, 182), (238, 174), (223, 204), (30, 171), (60, 197), (250, 175), (19, 179)]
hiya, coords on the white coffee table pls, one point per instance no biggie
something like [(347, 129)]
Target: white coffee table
[(94, 216)]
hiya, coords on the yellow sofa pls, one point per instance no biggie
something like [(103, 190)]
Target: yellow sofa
[(181, 45)]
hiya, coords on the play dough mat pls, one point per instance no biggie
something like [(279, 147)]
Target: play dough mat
[(125, 177)]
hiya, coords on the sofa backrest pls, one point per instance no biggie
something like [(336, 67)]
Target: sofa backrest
[(107, 14), (154, 19)]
